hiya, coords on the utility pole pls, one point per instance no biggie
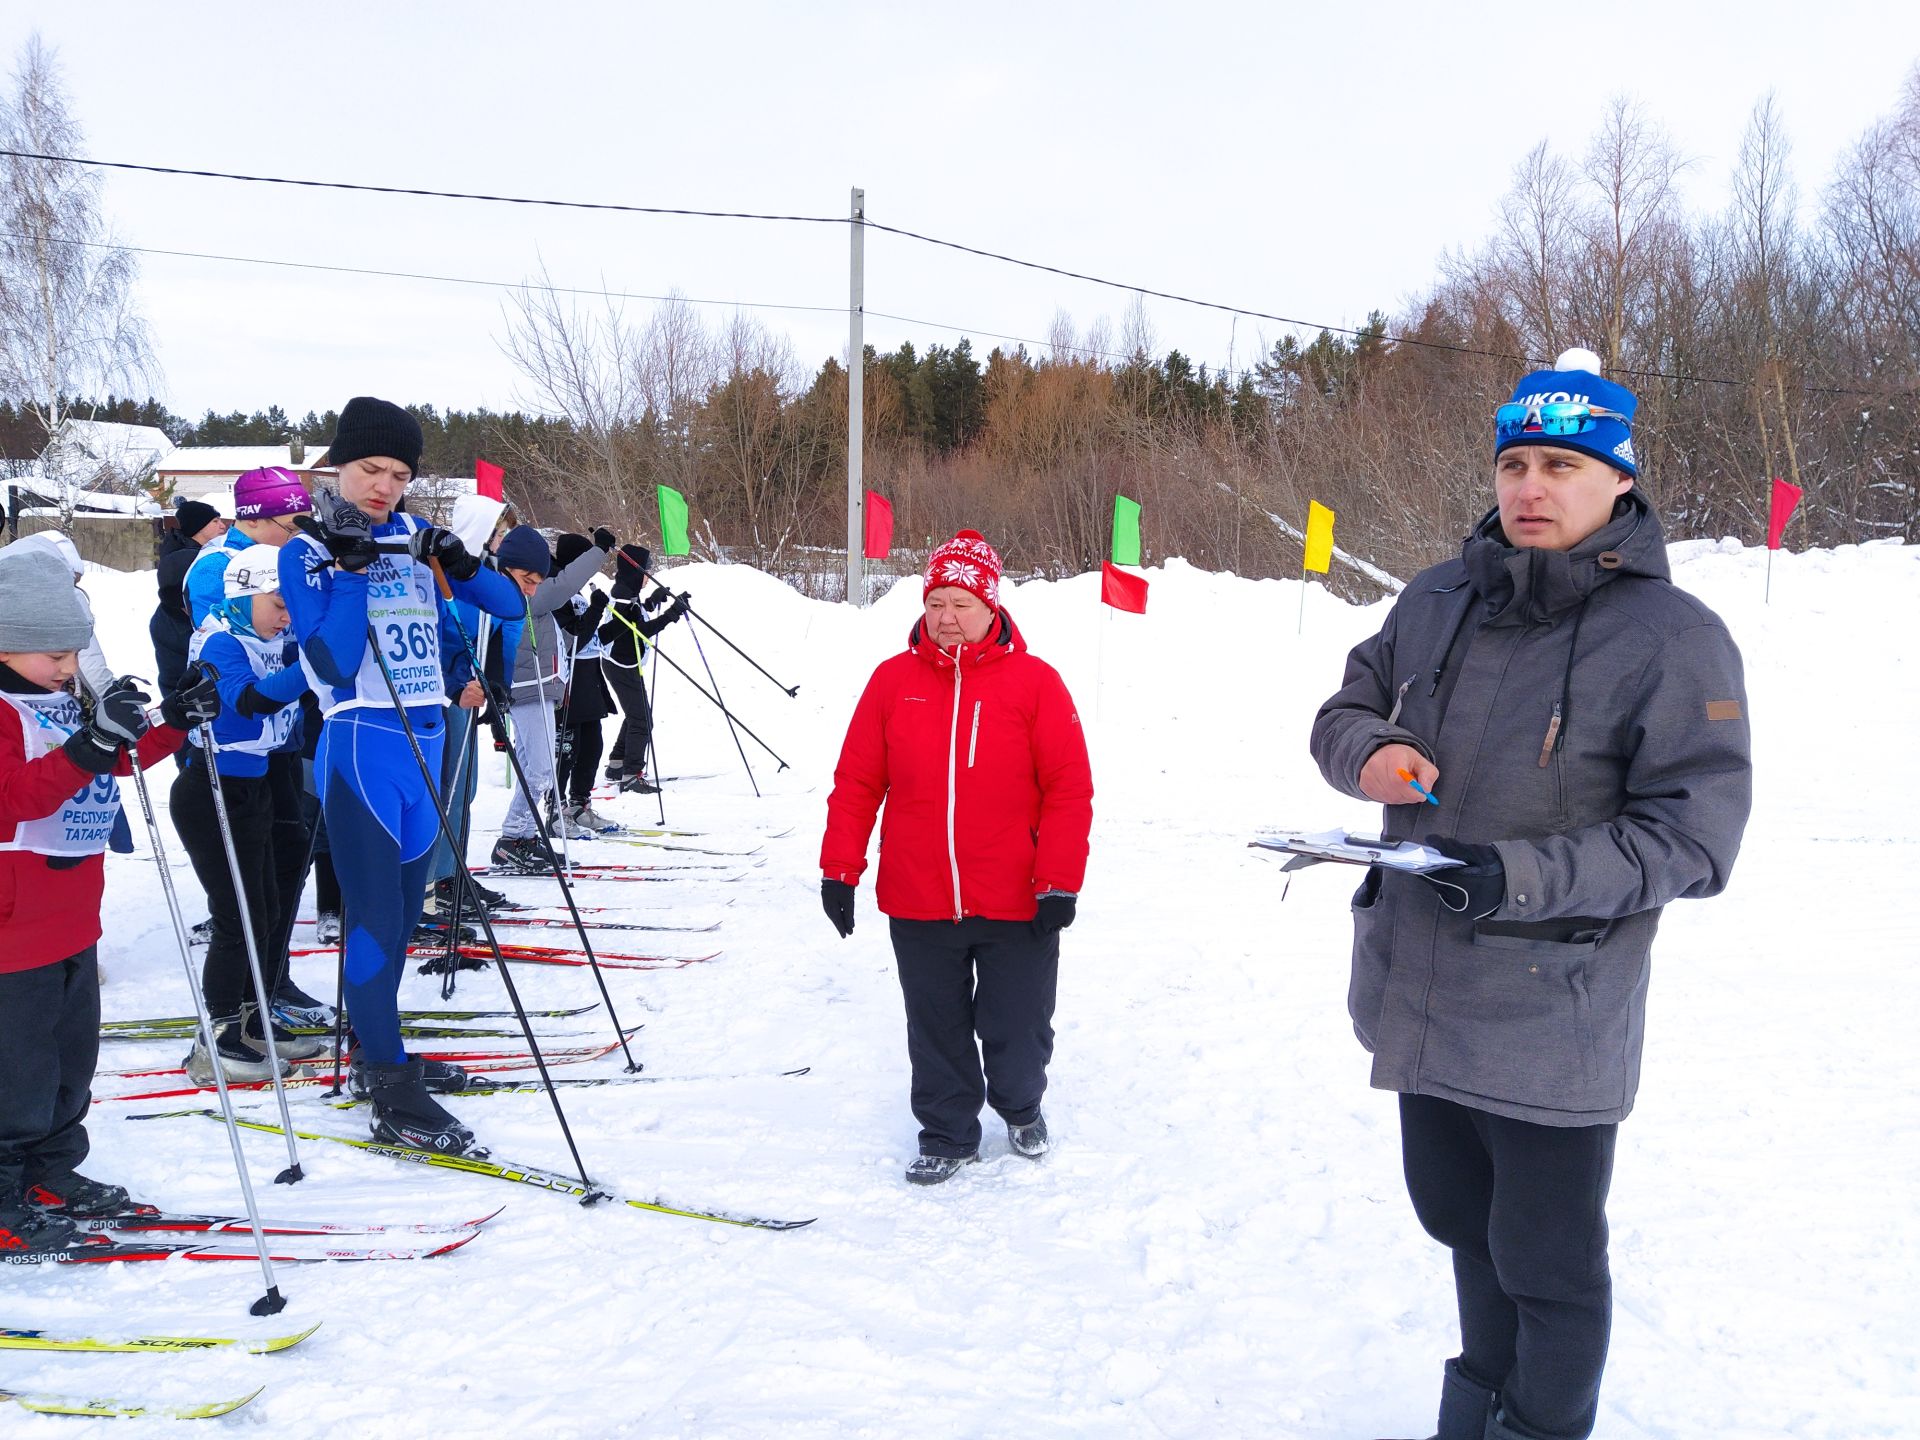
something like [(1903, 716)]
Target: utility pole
[(856, 402)]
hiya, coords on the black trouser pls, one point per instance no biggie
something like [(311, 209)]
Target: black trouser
[(991, 978), (636, 730), (292, 836), (49, 1043), (1523, 1208), (579, 759), (226, 976)]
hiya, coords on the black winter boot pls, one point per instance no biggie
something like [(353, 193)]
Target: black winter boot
[(74, 1197), (1466, 1408), (405, 1114)]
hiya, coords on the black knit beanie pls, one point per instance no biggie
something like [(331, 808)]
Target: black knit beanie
[(376, 427), (194, 516)]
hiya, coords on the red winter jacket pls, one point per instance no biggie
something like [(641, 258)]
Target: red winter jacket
[(50, 908), (983, 767)]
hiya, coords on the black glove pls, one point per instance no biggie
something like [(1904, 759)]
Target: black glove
[(196, 700), (605, 539), (596, 607), (677, 609), (1477, 886), (346, 530), (119, 718), (433, 543), (1054, 915), (836, 898)]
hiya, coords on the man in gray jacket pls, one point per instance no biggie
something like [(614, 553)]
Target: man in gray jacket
[(1582, 723), (539, 681)]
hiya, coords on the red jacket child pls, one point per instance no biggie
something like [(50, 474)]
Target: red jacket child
[(983, 768)]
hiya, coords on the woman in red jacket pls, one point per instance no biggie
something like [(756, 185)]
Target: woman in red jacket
[(976, 749)]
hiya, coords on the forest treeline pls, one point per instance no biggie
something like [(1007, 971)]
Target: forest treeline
[(1779, 336)]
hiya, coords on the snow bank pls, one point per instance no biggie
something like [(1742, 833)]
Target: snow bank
[(1220, 1245)]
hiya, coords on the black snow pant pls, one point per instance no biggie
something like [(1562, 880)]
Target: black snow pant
[(49, 1043), (579, 762), (1523, 1208), (636, 729), (226, 976), (990, 978), (292, 839)]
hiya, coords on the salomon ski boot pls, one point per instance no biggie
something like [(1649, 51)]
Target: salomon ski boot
[(405, 1114)]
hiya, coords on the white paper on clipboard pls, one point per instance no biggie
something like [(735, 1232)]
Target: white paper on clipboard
[(1343, 848)]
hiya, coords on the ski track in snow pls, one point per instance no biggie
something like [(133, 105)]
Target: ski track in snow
[(1220, 1244)]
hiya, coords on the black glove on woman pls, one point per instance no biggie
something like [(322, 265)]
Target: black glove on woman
[(836, 898), (347, 531), (1477, 886), (1054, 915)]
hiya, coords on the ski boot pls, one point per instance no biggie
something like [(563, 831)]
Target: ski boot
[(27, 1231), (1029, 1140), (523, 855), (590, 820), (437, 1077), (294, 1008), (201, 934), (637, 784), (73, 1196), (326, 928), (238, 1060), (938, 1169), (287, 1045), (405, 1114)]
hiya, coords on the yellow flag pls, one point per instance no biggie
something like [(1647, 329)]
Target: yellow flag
[(1319, 549)]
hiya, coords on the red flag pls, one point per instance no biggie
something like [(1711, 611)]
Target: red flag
[(1123, 591), (879, 526), (489, 480), (1780, 510)]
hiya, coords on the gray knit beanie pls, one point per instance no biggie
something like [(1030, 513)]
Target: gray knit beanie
[(39, 608)]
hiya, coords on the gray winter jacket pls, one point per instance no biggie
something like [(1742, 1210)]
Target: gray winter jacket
[(541, 655), (1638, 797)]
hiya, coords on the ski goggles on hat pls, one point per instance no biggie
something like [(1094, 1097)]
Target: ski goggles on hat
[(1555, 417)]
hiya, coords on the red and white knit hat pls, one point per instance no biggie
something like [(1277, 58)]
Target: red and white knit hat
[(968, 562)]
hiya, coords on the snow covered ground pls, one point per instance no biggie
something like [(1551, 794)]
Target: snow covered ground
[(1220, 1244)]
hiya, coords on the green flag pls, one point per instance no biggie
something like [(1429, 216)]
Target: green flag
[(673, 521), (1126, 531)]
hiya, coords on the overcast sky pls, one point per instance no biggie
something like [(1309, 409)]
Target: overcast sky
[(1307, 160)]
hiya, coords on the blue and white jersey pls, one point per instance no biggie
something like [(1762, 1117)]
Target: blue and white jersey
[(396, 599), (246, 732)]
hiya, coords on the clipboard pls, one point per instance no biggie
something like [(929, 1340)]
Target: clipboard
[(1341, 847)]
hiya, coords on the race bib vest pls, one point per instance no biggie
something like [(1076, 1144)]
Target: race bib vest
[(404, 615), (85, 820), (267, 657)]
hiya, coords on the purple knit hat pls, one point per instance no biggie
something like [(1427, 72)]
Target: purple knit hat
[(265, 493)]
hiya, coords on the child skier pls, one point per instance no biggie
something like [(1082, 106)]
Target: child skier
[(260, 687), (58, 805), (626, 633), (369, 621)]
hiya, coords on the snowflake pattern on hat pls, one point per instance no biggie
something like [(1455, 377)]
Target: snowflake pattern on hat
[(969, 562)]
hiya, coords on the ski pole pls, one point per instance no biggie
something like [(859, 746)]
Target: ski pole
[(273, 1302), (566, 889), (792, 690), (732, 719), (486, 922), (210, 752), (652, 694)]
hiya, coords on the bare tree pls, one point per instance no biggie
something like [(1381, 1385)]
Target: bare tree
[(1632, 167), (1536, 247), (68, 325)]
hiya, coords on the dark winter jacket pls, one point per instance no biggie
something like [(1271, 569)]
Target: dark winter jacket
[(981, 761), (1639, 797), (170, 627), (537, 664)]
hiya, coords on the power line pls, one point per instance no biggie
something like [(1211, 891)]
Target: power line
[(561, 290), (995, 255)]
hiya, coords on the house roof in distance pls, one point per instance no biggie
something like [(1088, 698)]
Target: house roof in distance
[(238, 459)]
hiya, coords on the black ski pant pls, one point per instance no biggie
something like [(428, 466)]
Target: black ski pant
[(49, 1044), (579, 761), (292, 842), (988, 978), (1523, 1209), (636, 729), (225, 975)]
